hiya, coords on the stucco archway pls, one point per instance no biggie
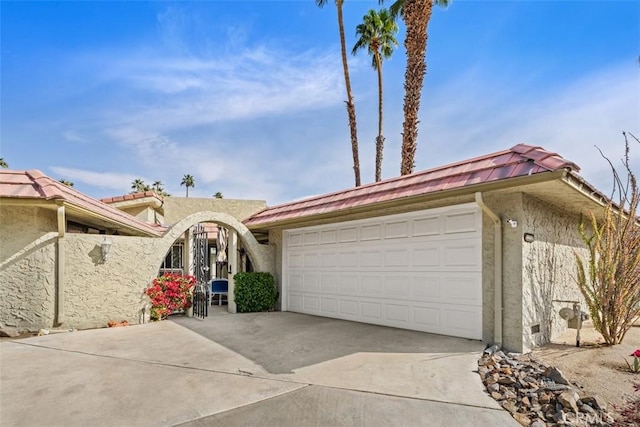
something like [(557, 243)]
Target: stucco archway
[(262, 256)]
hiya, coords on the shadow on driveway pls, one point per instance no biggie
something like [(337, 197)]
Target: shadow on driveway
[(283, 341)]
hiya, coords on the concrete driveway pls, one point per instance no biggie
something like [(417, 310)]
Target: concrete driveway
[(261, 369)]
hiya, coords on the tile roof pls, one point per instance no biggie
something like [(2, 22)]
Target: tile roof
[(131, 196), (520, 160), (33, 184)]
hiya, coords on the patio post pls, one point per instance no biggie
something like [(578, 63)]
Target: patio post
[(233, 268)]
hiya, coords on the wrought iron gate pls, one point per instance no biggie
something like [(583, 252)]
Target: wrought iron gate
[(201, 272)]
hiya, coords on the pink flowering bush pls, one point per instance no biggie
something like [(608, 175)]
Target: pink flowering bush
[(170, 293), (635, 365)]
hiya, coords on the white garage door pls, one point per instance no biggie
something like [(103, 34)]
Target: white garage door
[(420, 270)]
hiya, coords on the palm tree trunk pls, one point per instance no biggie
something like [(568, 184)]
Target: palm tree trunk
[(380, 138), (187, 190), (351, 109), (417, 14)]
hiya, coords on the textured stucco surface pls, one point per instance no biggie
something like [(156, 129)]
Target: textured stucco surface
[(549, 271), (506, 206), (97, 291), (177, 208), (27, 267), (94, 291)]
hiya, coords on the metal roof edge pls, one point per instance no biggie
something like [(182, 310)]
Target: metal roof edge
[(461, 191)]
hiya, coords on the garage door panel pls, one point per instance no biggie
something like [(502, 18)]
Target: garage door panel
[(311, 283), (295, 239), (296, 260), (350, 307), (429, 226), (295, 282), (349, 285), (329, 305), (421, 270), (371, 286), (329, 259), (348, 259), (397, 313), (426, 256), (311, 302), (396, 229), (396, 257), (295, 302), (330, 283), (461, 222), (428, 318), (311, 260), (426, 288), (396, 287), (462, 254), (371, 258), (462, 290), (463, 322), (371, 310), (328, 236), (370, 232), (348, 235)]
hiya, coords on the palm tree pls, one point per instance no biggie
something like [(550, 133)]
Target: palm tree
[(351, 108), (416, 15), (157, 187), (377, 34), (65, 182), (218, 195), (188, 181), (3, 164), (138, 186)]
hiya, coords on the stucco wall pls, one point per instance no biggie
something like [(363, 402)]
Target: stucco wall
[(506, 206), (27, 267), (549, 269), (97, 291), (177, 208)]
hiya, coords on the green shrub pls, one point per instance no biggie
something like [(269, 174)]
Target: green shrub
[(255, 291)]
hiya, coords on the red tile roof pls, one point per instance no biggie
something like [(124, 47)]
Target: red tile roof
[(33, 184), (131, 196), (520, 160)]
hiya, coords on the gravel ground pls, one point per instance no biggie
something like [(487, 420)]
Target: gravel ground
[(594, 367)]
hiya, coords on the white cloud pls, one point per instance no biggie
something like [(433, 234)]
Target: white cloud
[(104, 180), (475, 115)]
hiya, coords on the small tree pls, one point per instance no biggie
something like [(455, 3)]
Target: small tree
[(609, 278)]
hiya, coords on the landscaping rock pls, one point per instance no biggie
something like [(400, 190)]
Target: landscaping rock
[(569, 400), (538, 423), (522, 419), (555, 375), (534, 394), (596, 402), (9, 332)]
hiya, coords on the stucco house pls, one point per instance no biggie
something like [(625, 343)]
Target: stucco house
[(482, 249), (53, 271)]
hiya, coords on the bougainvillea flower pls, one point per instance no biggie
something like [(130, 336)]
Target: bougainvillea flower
[(636, 353)]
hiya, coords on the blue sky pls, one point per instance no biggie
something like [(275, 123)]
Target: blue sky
[(248, 97)]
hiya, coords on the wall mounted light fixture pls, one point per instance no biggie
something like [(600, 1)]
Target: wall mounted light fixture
[(106, 247), (529, 238), (512, 222)]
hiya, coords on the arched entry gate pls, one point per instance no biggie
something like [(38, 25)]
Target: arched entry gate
[(200, 272)]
